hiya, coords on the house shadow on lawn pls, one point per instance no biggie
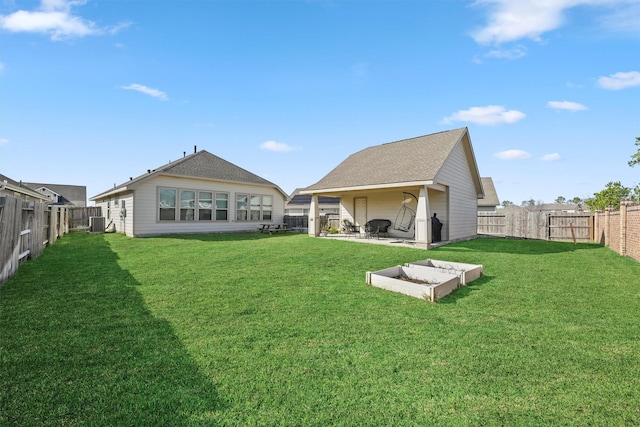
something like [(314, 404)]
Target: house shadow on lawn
[(81, 348)]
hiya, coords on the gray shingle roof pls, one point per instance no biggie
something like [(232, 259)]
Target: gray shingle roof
[(199, 165), (490, 195), (409, 160)]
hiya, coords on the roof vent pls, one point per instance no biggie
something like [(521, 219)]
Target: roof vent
[(195, 149)]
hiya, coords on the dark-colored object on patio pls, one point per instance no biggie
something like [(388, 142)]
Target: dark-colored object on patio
[(436, 229), (351, 229), (375, 227)]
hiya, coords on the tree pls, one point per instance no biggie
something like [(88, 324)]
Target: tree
[(576, 200), (528, 203), (610, 196), (507, 203), (561, 200), (635, 159)]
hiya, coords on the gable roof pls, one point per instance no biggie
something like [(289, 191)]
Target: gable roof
[(197, 165), (416, 160), (19, 187), (490, 195), (70, 193)]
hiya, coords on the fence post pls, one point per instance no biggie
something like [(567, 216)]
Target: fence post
[(607, 226), (623, 226)]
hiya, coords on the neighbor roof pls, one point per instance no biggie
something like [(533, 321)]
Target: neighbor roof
[(68, 192), (305, 199), (490, 195), (415, 160), (197, 165)]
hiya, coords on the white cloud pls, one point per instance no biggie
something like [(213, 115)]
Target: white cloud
[(512, 155), (3, 141), (620, 80), (566, 105), (489, 115), (511, 20), (146, 90), (54, 17), (514, 53), (551, 157), (276, 146)]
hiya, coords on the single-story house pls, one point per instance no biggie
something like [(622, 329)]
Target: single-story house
[(62, 194), (299, 204), (490, 201), (10, 187), (407, 182), (199, 193)]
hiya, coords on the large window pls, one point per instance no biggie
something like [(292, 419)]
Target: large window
[(192, 205), (254, 207)]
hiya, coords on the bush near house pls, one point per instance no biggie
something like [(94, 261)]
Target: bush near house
[(247, 329)]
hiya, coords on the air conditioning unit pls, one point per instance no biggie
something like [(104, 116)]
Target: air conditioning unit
[(123, 213), (96, 224)]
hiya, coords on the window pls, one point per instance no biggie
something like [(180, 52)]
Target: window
[(167, 204), (192, 205), (205, 203), (242, 205), (187, 205), (267, 207), (222, 206), (253, 207)]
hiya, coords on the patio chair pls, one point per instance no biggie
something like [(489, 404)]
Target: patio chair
[(351, 229)]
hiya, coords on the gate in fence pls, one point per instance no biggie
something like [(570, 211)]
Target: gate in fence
[(537, 225)]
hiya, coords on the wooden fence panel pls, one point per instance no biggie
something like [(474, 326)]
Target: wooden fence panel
[(79, 217), (24, 231), (536, 225)]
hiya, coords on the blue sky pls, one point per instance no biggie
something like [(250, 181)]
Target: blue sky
[(93, 92)]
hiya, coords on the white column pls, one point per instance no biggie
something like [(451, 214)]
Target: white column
[(314, 217), (423, 220)]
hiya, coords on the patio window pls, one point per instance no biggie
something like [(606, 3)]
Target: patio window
[(167, 204), (242, 207)]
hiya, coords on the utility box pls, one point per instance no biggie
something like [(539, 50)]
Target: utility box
[(96, 224)]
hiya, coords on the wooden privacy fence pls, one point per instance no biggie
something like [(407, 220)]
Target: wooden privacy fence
[(537, 225), (79, 217), (26, 227)]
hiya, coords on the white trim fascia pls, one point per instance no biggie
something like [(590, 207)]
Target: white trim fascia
[(4, 185), (368, 187)]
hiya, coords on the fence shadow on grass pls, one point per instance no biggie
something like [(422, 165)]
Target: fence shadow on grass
[(80, 347), (516, 246)]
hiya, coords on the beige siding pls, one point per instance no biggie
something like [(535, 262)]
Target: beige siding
[(146, 207), (460, 221)]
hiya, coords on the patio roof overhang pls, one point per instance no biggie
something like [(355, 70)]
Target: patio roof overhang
[(386, 186)]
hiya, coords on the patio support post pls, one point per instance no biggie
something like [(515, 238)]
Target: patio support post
[(314, 217), (423, 220)]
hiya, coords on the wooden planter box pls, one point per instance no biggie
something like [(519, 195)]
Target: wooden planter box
[(466, 272), (419, 282)]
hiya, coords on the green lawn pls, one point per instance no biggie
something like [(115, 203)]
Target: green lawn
[(248, 329)]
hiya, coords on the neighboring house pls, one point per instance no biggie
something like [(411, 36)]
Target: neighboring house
[(9, 187), (490, 201), (430, 174), (59, 194), (199, 193), (299, 204)]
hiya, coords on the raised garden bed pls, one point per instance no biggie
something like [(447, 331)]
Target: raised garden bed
[(467, 272), (419, 282)]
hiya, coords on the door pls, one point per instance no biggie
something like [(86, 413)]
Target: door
[(360, 211)]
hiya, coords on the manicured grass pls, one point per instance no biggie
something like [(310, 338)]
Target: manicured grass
[(247, 329)]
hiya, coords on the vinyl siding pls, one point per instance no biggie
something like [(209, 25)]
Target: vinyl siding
[(146, 207), (461, 219)]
